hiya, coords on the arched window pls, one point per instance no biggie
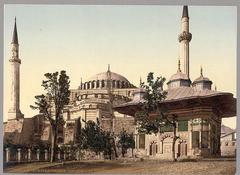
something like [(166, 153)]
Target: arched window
[(93, 84), (118, 84), (97, 85), (113, 83), (123, 84), (88, 85), (103, 83)]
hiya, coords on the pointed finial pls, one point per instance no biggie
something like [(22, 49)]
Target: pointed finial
[(108, 67), (201, 71), (185, 11), (81, 80), (140, 81), (179, 65), (15, 35)]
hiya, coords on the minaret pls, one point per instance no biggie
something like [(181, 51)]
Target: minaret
[(184, 39), (14, 108)]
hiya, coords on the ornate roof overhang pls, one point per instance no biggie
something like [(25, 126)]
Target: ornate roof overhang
[(221, 104)]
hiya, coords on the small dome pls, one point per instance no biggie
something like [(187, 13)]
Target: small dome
[(200, 79), (202, 82), (179, 79), (179, 75)]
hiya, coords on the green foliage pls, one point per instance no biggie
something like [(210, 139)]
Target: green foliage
[(154, 93), (126, 141), (151, 117), (56, 97), (94, 137), (79, 137)]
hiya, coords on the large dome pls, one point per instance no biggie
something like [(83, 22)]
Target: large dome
[(104, 76), (99, 81)]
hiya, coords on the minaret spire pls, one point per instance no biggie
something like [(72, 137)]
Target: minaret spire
[(179, 65), (184, 38), (15, 35), (108, 67), (201, 71), (185, 11), (140, 81), (14, 107)]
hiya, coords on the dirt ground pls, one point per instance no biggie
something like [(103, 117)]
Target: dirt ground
[(134, 167)]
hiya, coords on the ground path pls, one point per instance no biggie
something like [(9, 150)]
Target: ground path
[(222, 167)]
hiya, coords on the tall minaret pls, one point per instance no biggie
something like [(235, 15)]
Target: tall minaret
[(184, 39), (14, 109)]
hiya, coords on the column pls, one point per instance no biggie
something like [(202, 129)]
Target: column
[(200, 134), (137, 141), (46, 154), (19, 154), (105, 83), (59, 155), (7, 154), (161, 151), (69, 155), (77, 155), (90, 84), (38, 154), (116, 85), (29, 154), (95, 84), (190, 136), (64, 155)]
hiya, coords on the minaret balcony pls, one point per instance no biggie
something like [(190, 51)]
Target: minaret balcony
[(15, 60), (185, 36)]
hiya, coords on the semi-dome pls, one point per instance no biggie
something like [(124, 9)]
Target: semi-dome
[(100, 80)]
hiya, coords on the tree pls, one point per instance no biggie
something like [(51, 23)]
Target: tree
[(94, 137), (151, 117), (126, 141), (51, 103), (97, 140)]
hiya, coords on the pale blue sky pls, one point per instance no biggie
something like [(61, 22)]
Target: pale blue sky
[(133, 39)]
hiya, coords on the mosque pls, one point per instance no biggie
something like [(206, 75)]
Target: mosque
[(114, 100)]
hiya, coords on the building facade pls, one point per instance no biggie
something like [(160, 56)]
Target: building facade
[(114, 100), (228, 141), (198, 108)]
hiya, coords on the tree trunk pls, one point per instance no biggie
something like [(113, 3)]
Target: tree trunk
[(174, 141), (122, 152), (115, 149), (53, 144)]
